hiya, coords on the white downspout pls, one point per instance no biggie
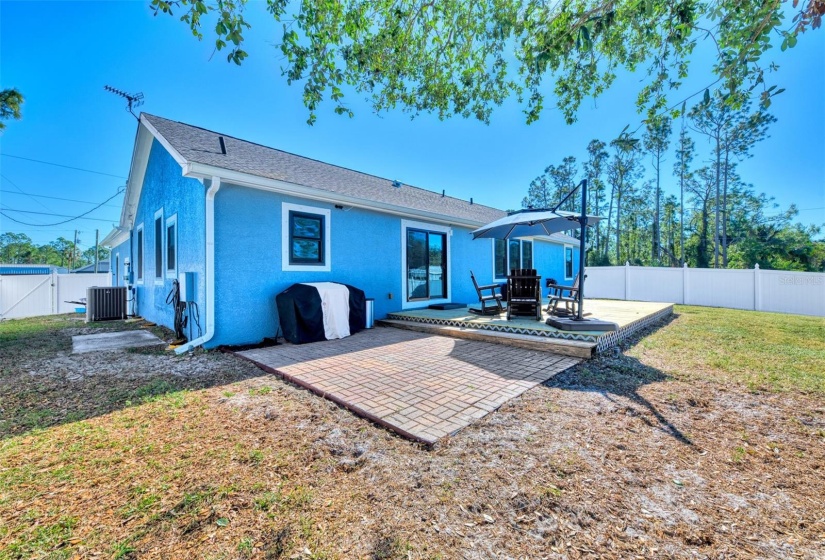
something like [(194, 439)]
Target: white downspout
[(210, 270)]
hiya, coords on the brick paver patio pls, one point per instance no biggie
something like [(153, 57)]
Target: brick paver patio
[(422, 386)]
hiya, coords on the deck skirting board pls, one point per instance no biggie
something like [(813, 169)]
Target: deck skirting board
[(497, 328), (610, 339), (582, 345)]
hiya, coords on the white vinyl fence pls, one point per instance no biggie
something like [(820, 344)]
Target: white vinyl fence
[(45, 294), (802, 293)]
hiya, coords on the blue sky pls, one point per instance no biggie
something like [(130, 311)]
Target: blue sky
[(60, 55)]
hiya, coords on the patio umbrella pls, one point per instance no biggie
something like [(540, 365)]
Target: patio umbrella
[(528, 223)]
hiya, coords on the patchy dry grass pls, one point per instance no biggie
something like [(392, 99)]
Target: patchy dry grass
[(616, 458)]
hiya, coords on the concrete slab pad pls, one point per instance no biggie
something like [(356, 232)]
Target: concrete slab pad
[(113, 341)]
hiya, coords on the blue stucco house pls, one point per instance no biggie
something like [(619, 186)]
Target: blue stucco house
[(247, 221)]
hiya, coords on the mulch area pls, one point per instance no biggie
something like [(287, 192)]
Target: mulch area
[(611, 459)]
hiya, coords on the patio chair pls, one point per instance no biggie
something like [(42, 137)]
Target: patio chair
[(524, 293), (568, 295), (491, 299)]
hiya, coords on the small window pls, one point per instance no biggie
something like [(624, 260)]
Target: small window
[(568, 262), (500, 258), (514, 251), (140, 253), (171, 245), (159, 244), (306, 238), (526, 254)]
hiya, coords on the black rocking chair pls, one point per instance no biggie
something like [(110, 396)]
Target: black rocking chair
[(524, 293), (490, 302)]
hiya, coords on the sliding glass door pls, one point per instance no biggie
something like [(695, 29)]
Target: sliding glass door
[(426, 265)]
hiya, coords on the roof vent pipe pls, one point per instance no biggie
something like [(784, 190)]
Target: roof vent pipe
[(443, 192), (223, 145), (471, 200)]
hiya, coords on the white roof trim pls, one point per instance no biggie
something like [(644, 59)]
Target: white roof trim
[(560, 238), (137, 172), (115, 237), (165, 143)]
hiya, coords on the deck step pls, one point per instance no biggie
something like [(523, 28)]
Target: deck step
[(573, 348)]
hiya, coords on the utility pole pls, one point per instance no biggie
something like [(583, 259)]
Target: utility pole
[(97, 236), (74, 250)]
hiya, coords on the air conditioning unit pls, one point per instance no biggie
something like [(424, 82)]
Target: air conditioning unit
[(105, 304)]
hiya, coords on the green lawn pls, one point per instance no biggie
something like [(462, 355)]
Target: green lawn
[(763, 351)]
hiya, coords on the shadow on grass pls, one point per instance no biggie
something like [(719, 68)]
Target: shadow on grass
[(43, 385), (614, 375)]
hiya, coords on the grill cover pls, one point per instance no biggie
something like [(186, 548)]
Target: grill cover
[(302, 317)]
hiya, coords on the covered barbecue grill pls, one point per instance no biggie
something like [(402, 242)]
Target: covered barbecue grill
[(318, 311)]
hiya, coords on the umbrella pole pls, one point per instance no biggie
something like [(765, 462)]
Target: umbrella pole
[(582, 247)]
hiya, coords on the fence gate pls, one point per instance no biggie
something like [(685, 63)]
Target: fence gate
[(35, 295)]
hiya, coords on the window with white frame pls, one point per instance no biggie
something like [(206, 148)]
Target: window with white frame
[(305, 238), (172, 245), (159, 245), (140, 251), (511, 253), (568, 262)]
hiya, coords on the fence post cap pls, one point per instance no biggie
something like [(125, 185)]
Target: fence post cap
[(627, 263), (756, 266)]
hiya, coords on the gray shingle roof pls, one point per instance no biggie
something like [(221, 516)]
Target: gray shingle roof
[(198, 145)]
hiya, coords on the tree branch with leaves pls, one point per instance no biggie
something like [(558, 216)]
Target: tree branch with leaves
[(463, 57)]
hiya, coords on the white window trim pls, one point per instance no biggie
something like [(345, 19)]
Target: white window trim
[(286, 208), (171, 272), (405, 225), (532, 241), (140, 267), (564, 262), (158, 280)]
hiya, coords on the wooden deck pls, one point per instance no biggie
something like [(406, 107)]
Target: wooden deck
[(524, 332)]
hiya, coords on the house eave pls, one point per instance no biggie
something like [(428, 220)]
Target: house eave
[(115, 237), (137, 173), (203, 171)]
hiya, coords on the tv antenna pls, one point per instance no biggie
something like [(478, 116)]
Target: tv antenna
[(132, 101)]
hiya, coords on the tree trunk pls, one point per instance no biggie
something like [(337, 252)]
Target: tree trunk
[(656, 252), (609, 220), (682, 212), (618, 224), (702, 248), (725, 212), (597, 208), (716, 204)]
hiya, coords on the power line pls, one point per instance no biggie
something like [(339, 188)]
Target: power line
[(13, 184), (65, 166), (18, 230), (2, 210), (57, 198), (71, 218)]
